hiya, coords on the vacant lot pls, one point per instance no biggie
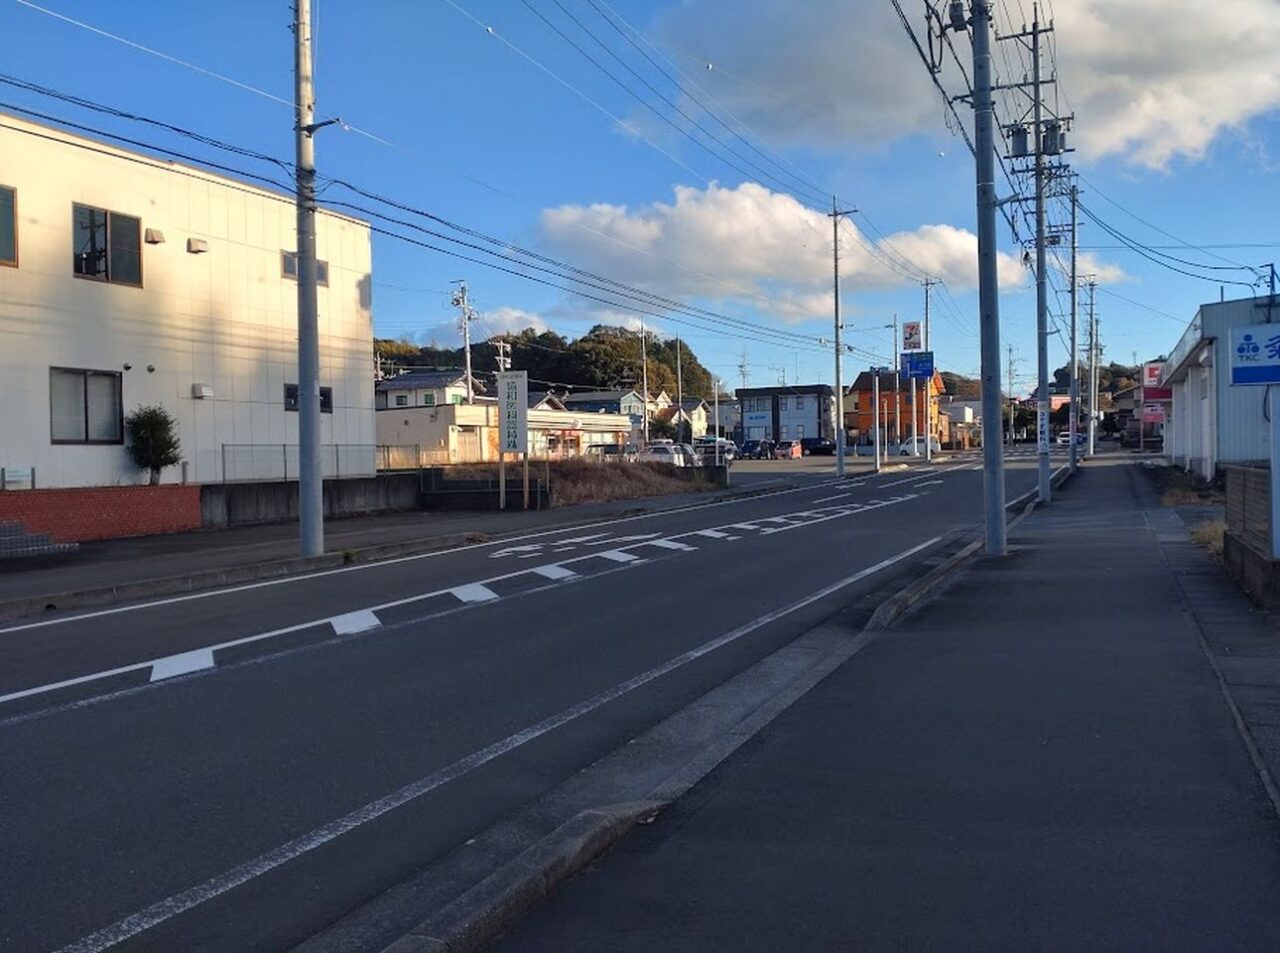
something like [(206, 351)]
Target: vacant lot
[(582, 481)]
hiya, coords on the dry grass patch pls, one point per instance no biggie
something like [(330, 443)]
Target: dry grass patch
[(1209, 535), (1180, 488), (585, 481)]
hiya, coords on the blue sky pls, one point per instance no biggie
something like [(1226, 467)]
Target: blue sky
[(1174, 123)]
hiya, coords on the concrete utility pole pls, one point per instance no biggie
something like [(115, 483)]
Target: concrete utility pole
[(504, 354), (988, 280), (835, 215), (680, 397), (1042, 284), (310, 472), (1013, 403), (897, 382), (644, 375), (1073, 428), (463, 303), (928, 388), (1093, 366), (743, 370), (875, 413)]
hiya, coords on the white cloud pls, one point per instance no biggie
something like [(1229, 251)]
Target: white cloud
[(758, 248), (501, 320), (1149, 79)]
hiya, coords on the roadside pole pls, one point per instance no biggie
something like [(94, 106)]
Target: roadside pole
[(1042, 279), (644, 374), (1093, 366), (839, 328), (988, 282), (502, 480), (915, 434), (1074, 427), (875, 413), (897, 385), (928, 388), (310, 473)]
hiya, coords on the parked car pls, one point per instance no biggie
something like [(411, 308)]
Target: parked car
[(692, 458), (1064, 438), (757, 450), (787, 450), (707, 446), (817, 447), (663, 453), (914, 447)]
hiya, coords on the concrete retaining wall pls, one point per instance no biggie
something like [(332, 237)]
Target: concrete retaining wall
[(1255, 573), (239, 504)]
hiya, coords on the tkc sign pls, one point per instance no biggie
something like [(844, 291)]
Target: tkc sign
[(1255, 354)]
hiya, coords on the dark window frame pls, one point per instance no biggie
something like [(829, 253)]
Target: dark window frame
[(6, 262), (108, 214), (86, 373), (292, 402), (322, 268)]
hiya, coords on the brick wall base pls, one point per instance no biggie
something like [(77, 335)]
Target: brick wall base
[(78, 515)]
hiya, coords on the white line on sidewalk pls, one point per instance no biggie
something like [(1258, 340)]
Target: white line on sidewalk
[(180, 903)]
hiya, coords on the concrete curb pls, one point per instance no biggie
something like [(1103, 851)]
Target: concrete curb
[(512, 890), (895, 607), (15, 609)]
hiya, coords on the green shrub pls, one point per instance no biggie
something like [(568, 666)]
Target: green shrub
[(153, 440)]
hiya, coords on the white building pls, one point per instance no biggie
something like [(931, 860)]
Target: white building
[(1210, 422), (127, 281), (787, 413)]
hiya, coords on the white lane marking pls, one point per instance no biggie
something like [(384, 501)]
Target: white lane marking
[(364, 567), (672, 544), (479, 589), (713, 534), (180, 903), (183, 664), (351, 622), (828, 499), (929, 483), (746, 526), (554, 572), (474, 592)]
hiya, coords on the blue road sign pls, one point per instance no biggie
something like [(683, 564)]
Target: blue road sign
[(918, 365)]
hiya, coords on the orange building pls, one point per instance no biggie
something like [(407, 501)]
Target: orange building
[(858, 419)]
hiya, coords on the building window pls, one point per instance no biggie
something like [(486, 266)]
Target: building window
[(799, 402), (289, 268), (799, 431), (782, 403), (85, 406), (402, 400), (291, 398), (106, 246), (458, 399), (428, 400), (8, 226)]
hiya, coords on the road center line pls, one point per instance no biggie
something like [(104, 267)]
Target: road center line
[(179, 903)]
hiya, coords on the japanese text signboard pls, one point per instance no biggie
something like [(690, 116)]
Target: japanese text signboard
[(917, 365), (1255, 354), (513, 411)]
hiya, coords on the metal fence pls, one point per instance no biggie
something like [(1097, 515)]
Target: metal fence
[(411, 457), (266, 462), (1249, 506)]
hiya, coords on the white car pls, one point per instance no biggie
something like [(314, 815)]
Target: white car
[(914, 447), (663, 453)]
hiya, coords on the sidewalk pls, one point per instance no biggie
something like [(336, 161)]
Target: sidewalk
[(1040, 759), (136, 561)]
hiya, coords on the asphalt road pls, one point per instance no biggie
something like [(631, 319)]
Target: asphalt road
[(234, 770)]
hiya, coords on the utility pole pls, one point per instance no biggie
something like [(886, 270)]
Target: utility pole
[(504, 354), (1013, 403), (835, 215), (644, 375), (1042, 286), (875, 413), (463, 303), (680, 396), (743, 369), (988, 280), (1093, 366), (310, 472), (897, 381), (928, 388), (1073, 427)]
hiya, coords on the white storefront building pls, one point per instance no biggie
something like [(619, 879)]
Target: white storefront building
[(128, 281)]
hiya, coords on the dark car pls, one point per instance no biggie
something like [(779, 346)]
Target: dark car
[(757, 450), (817, 447)]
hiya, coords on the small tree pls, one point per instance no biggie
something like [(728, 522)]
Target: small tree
[(153, 440)]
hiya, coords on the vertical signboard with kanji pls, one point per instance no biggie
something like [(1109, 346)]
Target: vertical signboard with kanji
[(513, 410)]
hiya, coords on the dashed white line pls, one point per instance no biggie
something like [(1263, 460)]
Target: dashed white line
[(183, 664), (554, 572), (361, 620), (474, 592), (672, 544), (618, 556), (713, 534), (828, 499)]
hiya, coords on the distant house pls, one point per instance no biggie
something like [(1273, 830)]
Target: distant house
[(427, 387), (606, 402), (787, 413), (545, 400), (691, 413), (861, 416), (727, 417)]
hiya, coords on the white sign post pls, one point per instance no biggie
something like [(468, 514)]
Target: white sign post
[(1255, 362), (513, 428)]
